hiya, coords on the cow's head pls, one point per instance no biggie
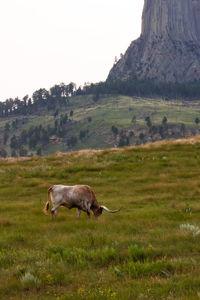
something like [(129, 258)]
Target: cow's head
[(98, 211)]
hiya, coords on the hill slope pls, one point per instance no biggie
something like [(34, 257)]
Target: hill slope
[(149, 250), (84, 123)]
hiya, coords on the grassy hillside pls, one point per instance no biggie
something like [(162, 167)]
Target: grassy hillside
[(149, 250), (97, 119)]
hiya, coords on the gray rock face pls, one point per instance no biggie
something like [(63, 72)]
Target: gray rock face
[(168, 49)]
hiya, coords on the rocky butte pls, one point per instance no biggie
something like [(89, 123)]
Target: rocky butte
[(168, 49)]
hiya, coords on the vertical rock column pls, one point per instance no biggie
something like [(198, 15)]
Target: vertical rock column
[(168, 49)]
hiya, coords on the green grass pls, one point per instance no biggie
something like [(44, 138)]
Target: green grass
[(142, 252)]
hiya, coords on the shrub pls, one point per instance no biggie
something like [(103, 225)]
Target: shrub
[(5, 259), (77, 256), (158, 268), (29, 281), (194, 229), (142, 254), (81, 257), (103, 256), (137, 253)]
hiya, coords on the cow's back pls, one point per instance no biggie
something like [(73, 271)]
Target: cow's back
[(78, 196)]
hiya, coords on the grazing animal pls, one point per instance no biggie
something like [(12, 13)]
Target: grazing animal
[(81, 197)]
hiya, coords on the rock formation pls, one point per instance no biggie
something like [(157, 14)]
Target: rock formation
[(168, 49)]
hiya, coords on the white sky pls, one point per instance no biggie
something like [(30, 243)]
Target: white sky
[(46, 42)]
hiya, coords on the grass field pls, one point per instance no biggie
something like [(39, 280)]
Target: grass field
[(148, 250)]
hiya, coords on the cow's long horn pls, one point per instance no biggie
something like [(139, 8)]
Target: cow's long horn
[(108, 210)]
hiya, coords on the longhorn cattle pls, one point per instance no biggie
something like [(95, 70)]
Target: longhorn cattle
[(81, 197)]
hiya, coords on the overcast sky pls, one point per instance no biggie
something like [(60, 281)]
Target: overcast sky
[(46, 42)]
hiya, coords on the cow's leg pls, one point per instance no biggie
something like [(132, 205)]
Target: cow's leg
[(78, 212), (54, 212), (88, 213), (87, 208)]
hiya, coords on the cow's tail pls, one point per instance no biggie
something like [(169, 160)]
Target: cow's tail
[(46, 208)]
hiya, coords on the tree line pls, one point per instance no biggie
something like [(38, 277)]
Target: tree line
[(149, 88), (42, 98), (60, 93)]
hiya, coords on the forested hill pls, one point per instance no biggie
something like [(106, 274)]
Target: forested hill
[(59, 94), (66, 118)]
